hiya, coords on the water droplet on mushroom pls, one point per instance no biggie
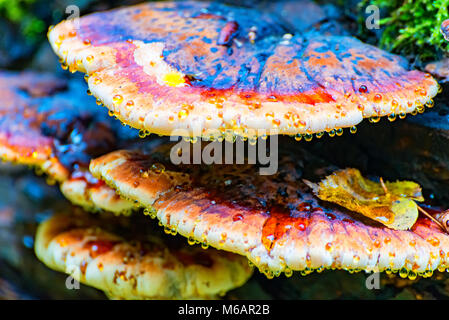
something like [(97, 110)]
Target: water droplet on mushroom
[(363, 89), (392, 117), (117, 99), (308, 137)]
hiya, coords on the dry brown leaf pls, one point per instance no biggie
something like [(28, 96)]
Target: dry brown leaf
[(391, 203)]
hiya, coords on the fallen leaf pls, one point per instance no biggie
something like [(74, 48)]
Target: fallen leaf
[(390, 203)]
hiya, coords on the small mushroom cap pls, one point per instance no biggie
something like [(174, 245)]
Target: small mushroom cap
[(130, 262), (48, 123), (275, 221), (197, 66)]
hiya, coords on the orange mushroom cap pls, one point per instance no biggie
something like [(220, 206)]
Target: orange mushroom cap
[(197, 67), (49, 123), (275, 221), (135, 261)]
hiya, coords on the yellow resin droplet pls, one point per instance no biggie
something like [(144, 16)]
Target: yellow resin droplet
[(183, 114), (117, 99), (403, 273), (308, 137), (374, 119), (412, 275), (391, 117), (191, 240)]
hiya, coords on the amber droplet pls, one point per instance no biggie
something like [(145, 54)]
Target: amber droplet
[(353, 129), (377, 98), (434, 241), (276, 122), (277, 225), (117, 99), (237, 217), (403, 273), (377, 244), (183, 114), (83, 267), (99, 247), (391, 117), (374, 119), (86, 42), (97, 80), (394, 104), (363, 89), (129, 104), (308, 137)]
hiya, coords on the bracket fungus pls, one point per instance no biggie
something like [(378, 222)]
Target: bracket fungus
[(198, 69), (191, 68), (275, 221), (48, 123), (137, 264)]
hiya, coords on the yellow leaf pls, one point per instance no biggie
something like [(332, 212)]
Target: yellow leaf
[(391, 203)]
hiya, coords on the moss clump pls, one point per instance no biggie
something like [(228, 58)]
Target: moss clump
[(19, 12), (411, 27)]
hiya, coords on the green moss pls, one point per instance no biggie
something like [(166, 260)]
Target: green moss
[(20, 13), (411, 27)]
